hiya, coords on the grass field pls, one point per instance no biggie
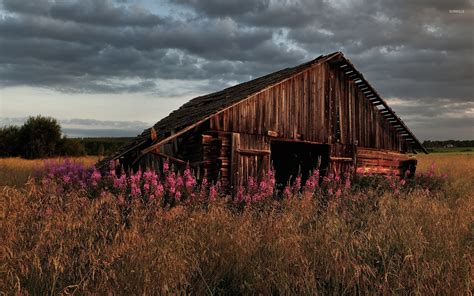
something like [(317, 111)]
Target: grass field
[(372, 242)]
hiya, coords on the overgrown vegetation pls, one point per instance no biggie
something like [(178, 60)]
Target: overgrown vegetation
[(368, 239)]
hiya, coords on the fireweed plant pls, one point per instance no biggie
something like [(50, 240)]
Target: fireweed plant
[(172, 187)]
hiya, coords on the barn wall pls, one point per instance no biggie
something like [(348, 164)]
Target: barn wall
[(296, 106), (319, 105)]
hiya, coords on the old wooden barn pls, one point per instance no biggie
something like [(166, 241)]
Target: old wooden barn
[(321, 110)]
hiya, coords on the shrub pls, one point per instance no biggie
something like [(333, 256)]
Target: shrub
[(9, 141), (39, 136)]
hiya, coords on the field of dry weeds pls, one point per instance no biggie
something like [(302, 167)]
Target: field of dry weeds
[(371, 242)]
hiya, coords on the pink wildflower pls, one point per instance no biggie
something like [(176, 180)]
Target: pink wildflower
[(120, 183), (179, 181), (263, 186), (95, 177), (120, 200), (347, 184), (287, 191), (135, 191), (190, 181), (240, 194), (271, 179), (159, 190), (66, 179), (297, 184), (212, 193)]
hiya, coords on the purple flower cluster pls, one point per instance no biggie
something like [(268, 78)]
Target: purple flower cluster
[(70, 176), (172, 187), (257, 191)]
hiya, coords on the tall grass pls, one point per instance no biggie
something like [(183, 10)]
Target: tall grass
[(371, 242)]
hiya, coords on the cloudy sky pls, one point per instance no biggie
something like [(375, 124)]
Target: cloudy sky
[(114, 67)]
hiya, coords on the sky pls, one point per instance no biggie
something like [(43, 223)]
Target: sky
[(115, 67)]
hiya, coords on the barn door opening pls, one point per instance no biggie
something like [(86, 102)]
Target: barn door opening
[(289, 159)]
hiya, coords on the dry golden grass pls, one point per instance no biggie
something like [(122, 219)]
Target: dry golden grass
[(15, 171), (416, 243)]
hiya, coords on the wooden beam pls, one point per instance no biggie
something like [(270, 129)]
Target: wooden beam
[(298, 141), (234, 160), (154, 146), (253, 151), (153, 134), (129, 149), (341, 159), (180, 161)]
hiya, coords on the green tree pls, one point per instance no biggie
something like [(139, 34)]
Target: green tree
[(70, 147), (9, 139), (39, 137)]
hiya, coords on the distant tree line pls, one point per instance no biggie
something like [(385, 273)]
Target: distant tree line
[(41, 137), (448, 143), (104, 145)]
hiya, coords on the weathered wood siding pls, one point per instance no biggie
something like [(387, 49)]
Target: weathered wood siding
[(383, 161), (319, 105), (251, 155)]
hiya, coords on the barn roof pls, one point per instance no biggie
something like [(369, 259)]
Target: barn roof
[(201, 108)]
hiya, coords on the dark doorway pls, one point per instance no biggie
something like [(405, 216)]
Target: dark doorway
[(289, 159)]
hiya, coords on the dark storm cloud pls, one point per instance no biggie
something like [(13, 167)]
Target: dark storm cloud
[(218, 8), (41, 48), (398, 46), (419, 52), (103, 12)]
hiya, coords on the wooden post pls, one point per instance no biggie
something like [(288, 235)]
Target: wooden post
[(354, 151), (234, 158)]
